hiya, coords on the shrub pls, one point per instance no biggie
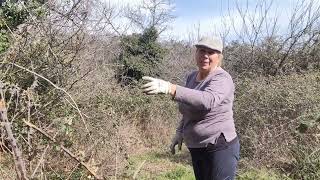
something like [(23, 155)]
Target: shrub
[(268, 112), (306, 162), (306, 150), (141, 56), (14, 14), (260, 174)]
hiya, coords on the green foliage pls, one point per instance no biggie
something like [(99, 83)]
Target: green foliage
[(306, 162), (4, 41), (13, 14), (141, 55), (178, 173), (309, 120), (75, 175)]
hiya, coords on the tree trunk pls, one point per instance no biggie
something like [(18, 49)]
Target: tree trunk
[(18, 160)]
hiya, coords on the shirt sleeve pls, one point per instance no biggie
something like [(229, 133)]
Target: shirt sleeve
[(180, 127), (213, 93)]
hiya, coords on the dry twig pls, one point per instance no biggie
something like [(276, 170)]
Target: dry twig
[(73, 104), (64, 149), (138, 169)]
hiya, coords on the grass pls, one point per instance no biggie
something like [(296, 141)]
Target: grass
[(180, 172), (160, 165)]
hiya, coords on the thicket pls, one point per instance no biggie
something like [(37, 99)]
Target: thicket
[(52, 102), (277, 90), (36, 110), (70, 118)]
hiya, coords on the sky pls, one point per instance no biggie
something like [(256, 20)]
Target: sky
[(195, 18)]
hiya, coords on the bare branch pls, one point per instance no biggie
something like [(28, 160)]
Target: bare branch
[(63, 148), (73, 104), (22, 173), (40, 161)]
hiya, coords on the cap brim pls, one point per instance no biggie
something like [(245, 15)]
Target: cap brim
[(206, 46)]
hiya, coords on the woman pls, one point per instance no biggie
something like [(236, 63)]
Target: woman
[(207, 125)]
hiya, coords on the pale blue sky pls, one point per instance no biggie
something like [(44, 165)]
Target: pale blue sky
[(205, 17)]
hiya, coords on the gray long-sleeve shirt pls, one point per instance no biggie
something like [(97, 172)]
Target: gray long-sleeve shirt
[(206, 108)]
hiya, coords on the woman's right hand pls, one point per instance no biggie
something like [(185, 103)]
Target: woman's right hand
[(156, 86)]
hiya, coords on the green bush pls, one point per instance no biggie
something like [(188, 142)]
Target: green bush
[(141, 55), (13, 14)]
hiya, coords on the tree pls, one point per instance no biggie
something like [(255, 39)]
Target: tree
[(141, 55), (151, 13), (262, 49)]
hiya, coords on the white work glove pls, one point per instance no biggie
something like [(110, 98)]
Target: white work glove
[(177, 140), (156, 86)]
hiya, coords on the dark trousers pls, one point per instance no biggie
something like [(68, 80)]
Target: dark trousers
[(216, 161)]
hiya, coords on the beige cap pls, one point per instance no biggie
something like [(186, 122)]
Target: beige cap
[(214, 43)]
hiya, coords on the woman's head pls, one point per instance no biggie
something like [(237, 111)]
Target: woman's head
[(209, 53)]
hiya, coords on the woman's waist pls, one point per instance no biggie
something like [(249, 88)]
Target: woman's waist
[(208, 118), (208, 128)]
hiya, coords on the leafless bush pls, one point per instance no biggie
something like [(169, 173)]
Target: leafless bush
[(263, 48), (151, 13), (70, 118), (40, 111), (269, 113), (178, 62)]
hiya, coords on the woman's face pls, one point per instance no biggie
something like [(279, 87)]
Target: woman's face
[(207, 59)]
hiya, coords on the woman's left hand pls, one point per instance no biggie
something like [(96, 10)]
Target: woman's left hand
[(156, 86)]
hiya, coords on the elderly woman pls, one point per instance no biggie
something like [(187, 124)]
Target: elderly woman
[(207, 125)]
